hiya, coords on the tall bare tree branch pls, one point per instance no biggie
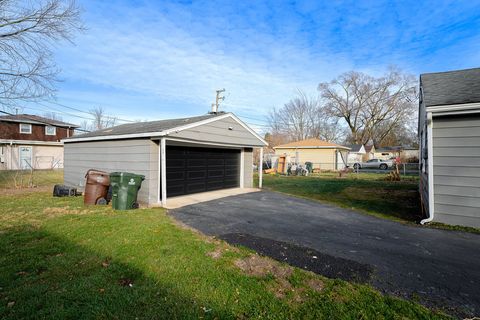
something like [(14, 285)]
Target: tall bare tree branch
[(28, 31)]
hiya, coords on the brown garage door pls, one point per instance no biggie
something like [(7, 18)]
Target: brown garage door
[(192, 170)]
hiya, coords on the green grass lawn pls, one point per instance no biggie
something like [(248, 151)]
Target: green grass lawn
[(366, 192), (61, 260), (12, 179)]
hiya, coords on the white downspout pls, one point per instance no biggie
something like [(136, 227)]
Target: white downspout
[(163, 173), (159, 177), (431, 199)]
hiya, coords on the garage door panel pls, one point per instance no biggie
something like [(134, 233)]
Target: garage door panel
[(199, 174), (196, 187), (212, 174), (175, 163), (192, 170), (196, 162), (175, 175)]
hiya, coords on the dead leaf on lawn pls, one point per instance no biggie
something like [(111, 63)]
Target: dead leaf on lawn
[(216, 254), (22, 273), (106, 263), (59, 211), (316, 284), (256, 265), (125, 282), (11, 304)]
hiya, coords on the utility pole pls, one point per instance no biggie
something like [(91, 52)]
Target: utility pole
[(218, 98)]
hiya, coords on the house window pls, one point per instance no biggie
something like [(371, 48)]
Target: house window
[(25, 128), (50, 130)]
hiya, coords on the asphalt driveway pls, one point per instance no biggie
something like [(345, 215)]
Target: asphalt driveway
[(440, 268)]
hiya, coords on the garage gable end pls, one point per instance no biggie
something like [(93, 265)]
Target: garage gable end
[(226, 129)]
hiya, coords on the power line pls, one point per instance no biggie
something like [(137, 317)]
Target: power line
[(86, 112)]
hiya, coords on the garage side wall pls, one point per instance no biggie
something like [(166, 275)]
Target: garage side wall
[(138, 156), (456, 170), (248, 167)]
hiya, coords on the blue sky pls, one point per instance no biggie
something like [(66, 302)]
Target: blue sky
[(162, 59)]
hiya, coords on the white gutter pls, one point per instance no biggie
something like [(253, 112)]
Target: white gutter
[(431, 202), (31, 142)]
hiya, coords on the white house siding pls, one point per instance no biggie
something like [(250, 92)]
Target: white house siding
[(139, 156), (456, 169), (43, 156)]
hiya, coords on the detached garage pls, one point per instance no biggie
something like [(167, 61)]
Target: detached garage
[(177, 156)]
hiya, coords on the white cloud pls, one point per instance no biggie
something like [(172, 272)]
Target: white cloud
[(159, 58)]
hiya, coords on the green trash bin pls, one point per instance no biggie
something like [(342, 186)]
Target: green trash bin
[(125, 188), (309, 166)]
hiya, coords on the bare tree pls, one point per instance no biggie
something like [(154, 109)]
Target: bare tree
[(303, 117), (28, 30), (101, 120), (372, 108)]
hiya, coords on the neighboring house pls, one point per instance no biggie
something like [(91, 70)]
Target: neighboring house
[(324, 155), (356, 153), (449, 131), (29, 141), (369, 152), (409, 153), (177, 157)]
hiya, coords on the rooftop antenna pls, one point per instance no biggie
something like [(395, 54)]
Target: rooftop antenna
[(218, 98)]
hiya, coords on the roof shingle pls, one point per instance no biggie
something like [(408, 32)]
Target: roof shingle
[(30, 118), (145, 127), (451, 87)]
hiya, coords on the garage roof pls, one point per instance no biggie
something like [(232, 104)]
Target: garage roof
[(156, 128), (311, 143), (145, 127), (451, 87)]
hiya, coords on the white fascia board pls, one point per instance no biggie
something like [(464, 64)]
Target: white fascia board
[(455, 108), (115, 137), (31, 142), (206, 143)]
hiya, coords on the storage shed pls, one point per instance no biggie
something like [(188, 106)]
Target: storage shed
[(177, 156), (449, 130)]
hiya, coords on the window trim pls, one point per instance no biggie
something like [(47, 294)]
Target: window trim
[(51, 134), (25, 124)]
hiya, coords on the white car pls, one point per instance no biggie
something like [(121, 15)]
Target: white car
[(374, 164)]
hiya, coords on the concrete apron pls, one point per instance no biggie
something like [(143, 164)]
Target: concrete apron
[(181, 201)]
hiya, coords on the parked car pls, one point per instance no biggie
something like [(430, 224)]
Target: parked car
[(374, 164)]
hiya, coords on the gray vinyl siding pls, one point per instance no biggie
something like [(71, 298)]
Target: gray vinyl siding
[(456, 169), (218, 131), (138, 156), (248, 168)]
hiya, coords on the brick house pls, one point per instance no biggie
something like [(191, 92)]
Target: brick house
[(29, 141)]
